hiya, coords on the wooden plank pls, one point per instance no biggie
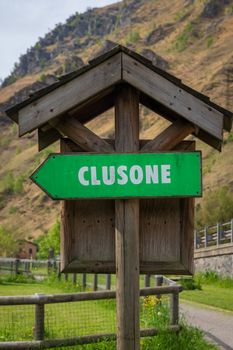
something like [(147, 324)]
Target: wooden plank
[(172, 96), (73, 93), (170, 137), (82, 136), (127, 226)]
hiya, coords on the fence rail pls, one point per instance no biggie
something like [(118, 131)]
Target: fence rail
[(210, 236), (40, 301)]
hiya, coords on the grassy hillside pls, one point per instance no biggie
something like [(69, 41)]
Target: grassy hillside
[(191, 39)]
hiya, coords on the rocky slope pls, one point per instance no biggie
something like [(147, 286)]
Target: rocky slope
[(192, 39)]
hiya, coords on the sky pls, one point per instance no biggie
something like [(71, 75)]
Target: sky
[(22, 22)]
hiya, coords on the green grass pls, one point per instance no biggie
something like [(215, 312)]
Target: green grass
[(215, 291)]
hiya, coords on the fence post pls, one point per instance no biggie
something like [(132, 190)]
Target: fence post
[(158, 283), (206, 236), (84, 280), (39, 320), (95, 282), (231, 230), (108, 281), (17, 262), (195, 239), (218, 234), (147, 280), (174, 308), (74, 278)]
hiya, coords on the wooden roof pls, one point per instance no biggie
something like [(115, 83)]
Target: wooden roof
[(89, 91)]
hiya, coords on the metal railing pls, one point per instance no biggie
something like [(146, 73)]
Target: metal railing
[(214, 235)]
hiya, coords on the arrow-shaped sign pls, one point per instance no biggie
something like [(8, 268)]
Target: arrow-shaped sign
[(73, 176)]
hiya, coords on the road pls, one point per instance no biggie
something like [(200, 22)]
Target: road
[(217, 325)]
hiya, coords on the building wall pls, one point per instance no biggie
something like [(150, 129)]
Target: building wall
[(218, 259)]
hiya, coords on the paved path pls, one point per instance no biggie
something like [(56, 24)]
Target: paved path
[(218, 325)]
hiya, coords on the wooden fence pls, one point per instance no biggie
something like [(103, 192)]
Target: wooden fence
[(166, 287), (214, 235)]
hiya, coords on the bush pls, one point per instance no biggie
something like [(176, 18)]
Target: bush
[(190, 283)]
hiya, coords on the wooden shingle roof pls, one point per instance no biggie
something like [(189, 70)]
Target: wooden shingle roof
[(89, 91)]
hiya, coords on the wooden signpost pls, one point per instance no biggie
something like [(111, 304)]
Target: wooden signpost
[(127, 206)]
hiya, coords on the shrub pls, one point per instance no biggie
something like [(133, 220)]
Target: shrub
[(183, 39)]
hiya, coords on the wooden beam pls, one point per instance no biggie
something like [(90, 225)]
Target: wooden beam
[(170, 137), (84, 113), (82, 136), (173, 116), (172, 96), (71, 94), (47, 137), (127, 227)]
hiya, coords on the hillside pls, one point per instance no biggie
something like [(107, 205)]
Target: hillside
[(192, 39)]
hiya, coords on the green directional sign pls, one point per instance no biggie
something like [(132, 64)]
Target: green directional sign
[(79, 175)]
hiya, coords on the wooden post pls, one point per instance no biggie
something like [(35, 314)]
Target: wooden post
[(127, 226), (231, 230), (84, 280), (95, 282), (39, 320), (174, 307), (158, 283), (74, 278), (195, 239), (218, 238), (206, 237), (147, 280), (108, 281), (17, 262)]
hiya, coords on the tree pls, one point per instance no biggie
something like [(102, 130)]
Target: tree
[(51, 240), (217, 206), (8, 242)]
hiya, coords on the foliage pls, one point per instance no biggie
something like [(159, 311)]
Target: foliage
[(51, 240), (5, 279), (217, 206), (9, 244), (190, 283), (212, 278), (132, 37), (12, 184), (189, 338), (210, 41), (183, 39)]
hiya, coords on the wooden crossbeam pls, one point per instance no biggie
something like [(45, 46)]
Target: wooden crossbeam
[(172, 116), (83, 113), (170, 137), (82, 136)]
